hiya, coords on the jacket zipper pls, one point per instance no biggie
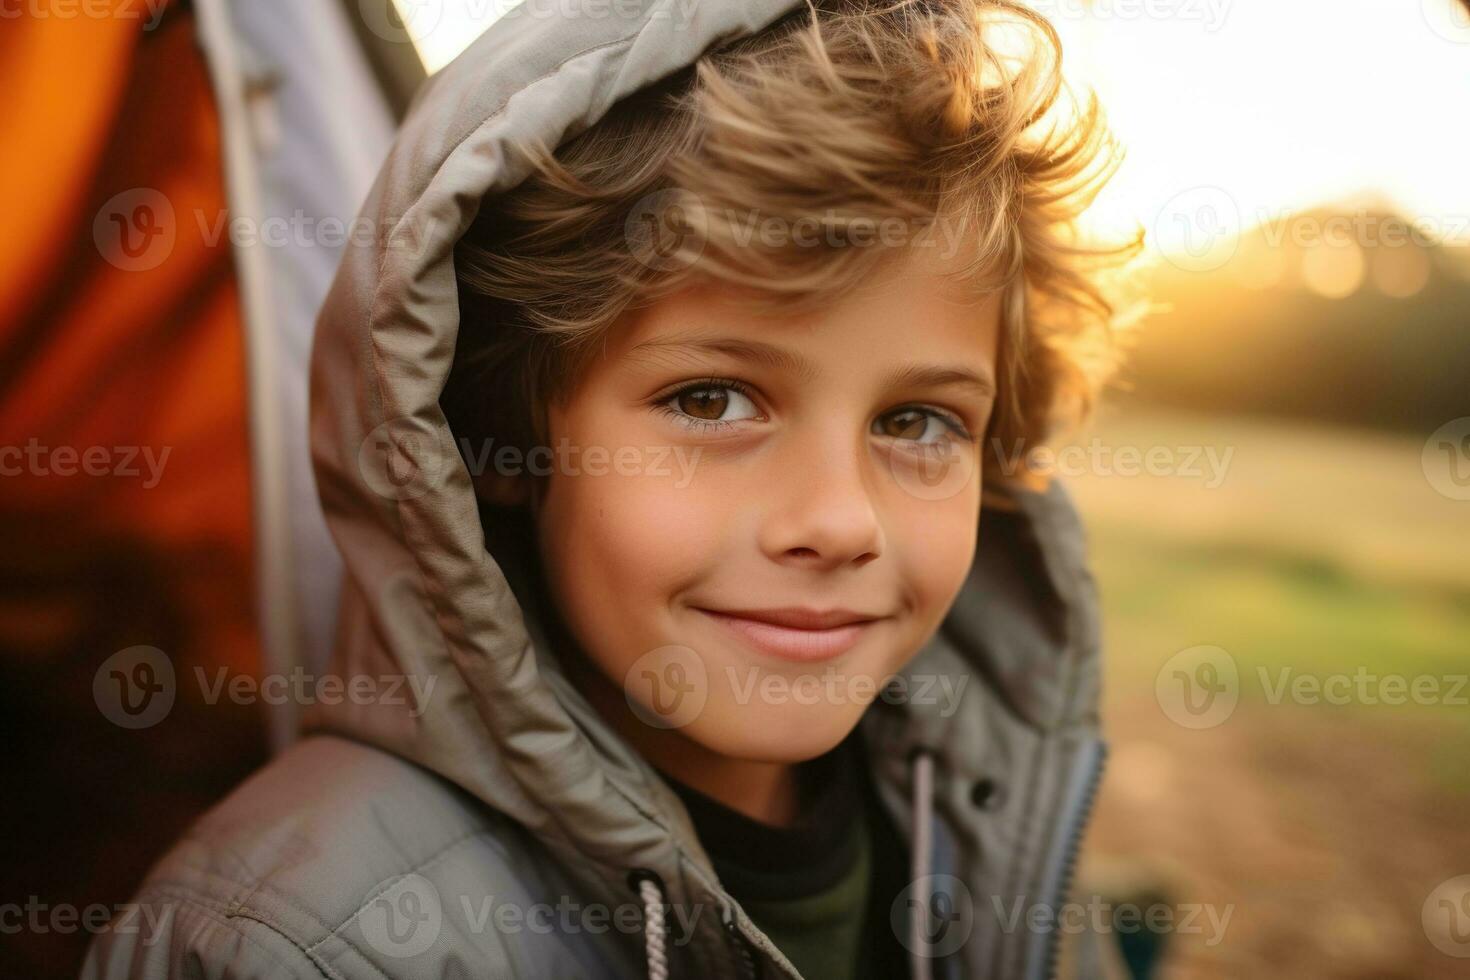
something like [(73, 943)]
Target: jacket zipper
[(1082, 814), (749, 966)]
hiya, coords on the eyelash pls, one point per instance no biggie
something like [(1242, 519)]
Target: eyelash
[(662, 400)]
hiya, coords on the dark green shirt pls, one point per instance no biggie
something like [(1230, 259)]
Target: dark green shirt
[(821, 888)]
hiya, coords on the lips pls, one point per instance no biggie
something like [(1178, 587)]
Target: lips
[(799, 634)]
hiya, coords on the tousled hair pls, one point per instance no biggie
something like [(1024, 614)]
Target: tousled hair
[(843, 117)]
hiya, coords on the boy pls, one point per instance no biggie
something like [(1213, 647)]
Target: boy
[(661, 457)]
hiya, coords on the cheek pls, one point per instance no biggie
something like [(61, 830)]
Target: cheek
[(939, 548), (625, 531), (619, 546)]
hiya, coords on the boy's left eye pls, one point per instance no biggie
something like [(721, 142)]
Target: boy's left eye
[(917, 425)]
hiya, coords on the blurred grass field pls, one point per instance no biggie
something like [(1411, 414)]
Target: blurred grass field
[(1324, 827)]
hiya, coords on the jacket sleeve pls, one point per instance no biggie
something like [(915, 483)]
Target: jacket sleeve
[(170, 935)]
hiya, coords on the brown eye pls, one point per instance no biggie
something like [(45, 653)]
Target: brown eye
[(704, 403), (709, 404), (924, 426), (908, 423)]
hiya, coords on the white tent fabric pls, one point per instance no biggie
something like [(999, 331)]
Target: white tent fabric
[(305, 125)]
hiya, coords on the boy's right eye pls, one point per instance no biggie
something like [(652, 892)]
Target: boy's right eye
[(711, 403)]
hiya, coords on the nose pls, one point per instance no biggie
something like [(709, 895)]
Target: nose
[(823, 513)]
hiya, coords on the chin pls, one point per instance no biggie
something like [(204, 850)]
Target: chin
[(789, 733)]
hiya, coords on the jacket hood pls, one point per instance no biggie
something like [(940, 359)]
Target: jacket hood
[(423, 597)]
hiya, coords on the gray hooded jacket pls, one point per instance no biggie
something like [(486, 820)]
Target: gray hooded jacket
[(475, 817)]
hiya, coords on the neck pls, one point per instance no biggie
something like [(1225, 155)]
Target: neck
[(764, 791)]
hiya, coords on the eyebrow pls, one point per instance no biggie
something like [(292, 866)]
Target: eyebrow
[(933, 376), (748, 350), (773, 356)]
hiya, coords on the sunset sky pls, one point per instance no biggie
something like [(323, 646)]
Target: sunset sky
[(1251, 108)]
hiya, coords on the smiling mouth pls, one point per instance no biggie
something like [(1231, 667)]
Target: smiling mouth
[(802, 635)]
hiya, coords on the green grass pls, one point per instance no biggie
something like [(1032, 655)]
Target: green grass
[(1270, 609)]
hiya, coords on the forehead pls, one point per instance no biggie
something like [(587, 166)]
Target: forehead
[(916, 303)]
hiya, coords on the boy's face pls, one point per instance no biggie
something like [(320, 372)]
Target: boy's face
[(755, 521)]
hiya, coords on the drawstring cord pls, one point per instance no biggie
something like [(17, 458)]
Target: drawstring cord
[(920, 862), (653, 928)]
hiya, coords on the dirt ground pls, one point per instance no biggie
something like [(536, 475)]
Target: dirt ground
[(1312, 831)]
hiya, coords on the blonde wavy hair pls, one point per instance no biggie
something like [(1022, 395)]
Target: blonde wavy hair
[(844, 115)]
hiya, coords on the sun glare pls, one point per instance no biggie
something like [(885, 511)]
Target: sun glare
[(1233, 113)]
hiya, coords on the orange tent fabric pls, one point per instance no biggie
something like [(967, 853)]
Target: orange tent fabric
[(127, 360), (124, 466)]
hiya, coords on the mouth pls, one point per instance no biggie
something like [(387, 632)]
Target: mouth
[(798, 634)]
